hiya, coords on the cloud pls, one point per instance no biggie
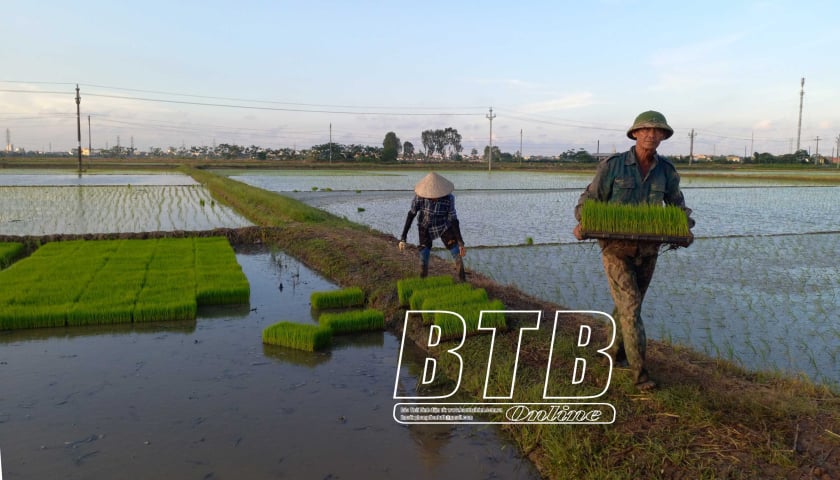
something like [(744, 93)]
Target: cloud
[(693, 66), (567, 102)]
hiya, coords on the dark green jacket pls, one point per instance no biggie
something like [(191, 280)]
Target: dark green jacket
[(619, 180)]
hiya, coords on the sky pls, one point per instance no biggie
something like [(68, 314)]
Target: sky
[(558, 75)]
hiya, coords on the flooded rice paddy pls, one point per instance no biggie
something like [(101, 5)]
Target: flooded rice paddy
[(44, 204), (206, 399), (759, 286)]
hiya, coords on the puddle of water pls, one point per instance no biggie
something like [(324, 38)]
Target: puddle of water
[(207, 399)]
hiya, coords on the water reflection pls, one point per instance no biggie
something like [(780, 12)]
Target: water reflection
[(207, 399)]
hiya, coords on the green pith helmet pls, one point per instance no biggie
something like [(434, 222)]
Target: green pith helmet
[(650, 119)]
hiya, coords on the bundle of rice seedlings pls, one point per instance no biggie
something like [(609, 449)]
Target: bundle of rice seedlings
[(353, 321), (218, 276), (452, 301), (161, 309), (603, 219), (408, 286), (344, 298), (27, 316), (229, 292), (297, 335), (451, 326), (9, 251), (100, 313), (419, 296)]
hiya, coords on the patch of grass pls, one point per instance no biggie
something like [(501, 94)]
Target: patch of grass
[(9, 251), (257, 205), (353, 321), (298, 336), (344, 298)]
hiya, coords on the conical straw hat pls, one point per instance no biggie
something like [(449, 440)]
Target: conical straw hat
[(433, 186)]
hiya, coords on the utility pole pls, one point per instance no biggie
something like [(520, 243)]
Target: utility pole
[(90, 147), (799, 128), (330, 143), (490, 117), (79, 126), (838, 151), (817, 155), (520, 146), (691, 135), (752, 141)]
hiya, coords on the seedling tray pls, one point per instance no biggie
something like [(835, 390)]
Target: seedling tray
[(682, 241)]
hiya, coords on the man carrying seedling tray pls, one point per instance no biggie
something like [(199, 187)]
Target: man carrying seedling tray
[(636, 177)]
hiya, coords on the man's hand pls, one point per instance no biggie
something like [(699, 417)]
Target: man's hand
[(462, 250), (576, 232), (401, 245)]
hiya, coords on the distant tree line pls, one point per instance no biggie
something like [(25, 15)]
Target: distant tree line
[(438, 145)]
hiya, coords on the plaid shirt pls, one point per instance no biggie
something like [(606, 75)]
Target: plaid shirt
[(434, 215)]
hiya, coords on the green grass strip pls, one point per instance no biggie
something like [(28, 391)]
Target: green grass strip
[(9, 251), (353, 321), (257, 205), (298, 336), (407, 286), (644, 219), (344, 298)]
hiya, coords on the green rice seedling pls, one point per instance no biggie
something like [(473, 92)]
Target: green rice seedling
[(231, 292), (162, 303), (100, 313), (27, 316), (408, 286), (9, 251), (419, 296), (598, 218), (451, 301), (115, 281), (297, 335), (353, 321), (344, 298), (451, 326)]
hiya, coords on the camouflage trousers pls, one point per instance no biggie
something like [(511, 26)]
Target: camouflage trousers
[(629, 267)]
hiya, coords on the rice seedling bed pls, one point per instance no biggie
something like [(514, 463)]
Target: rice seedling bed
[(667, 224), (344, 298), (299, 336), (353, 321), (119, 281)]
